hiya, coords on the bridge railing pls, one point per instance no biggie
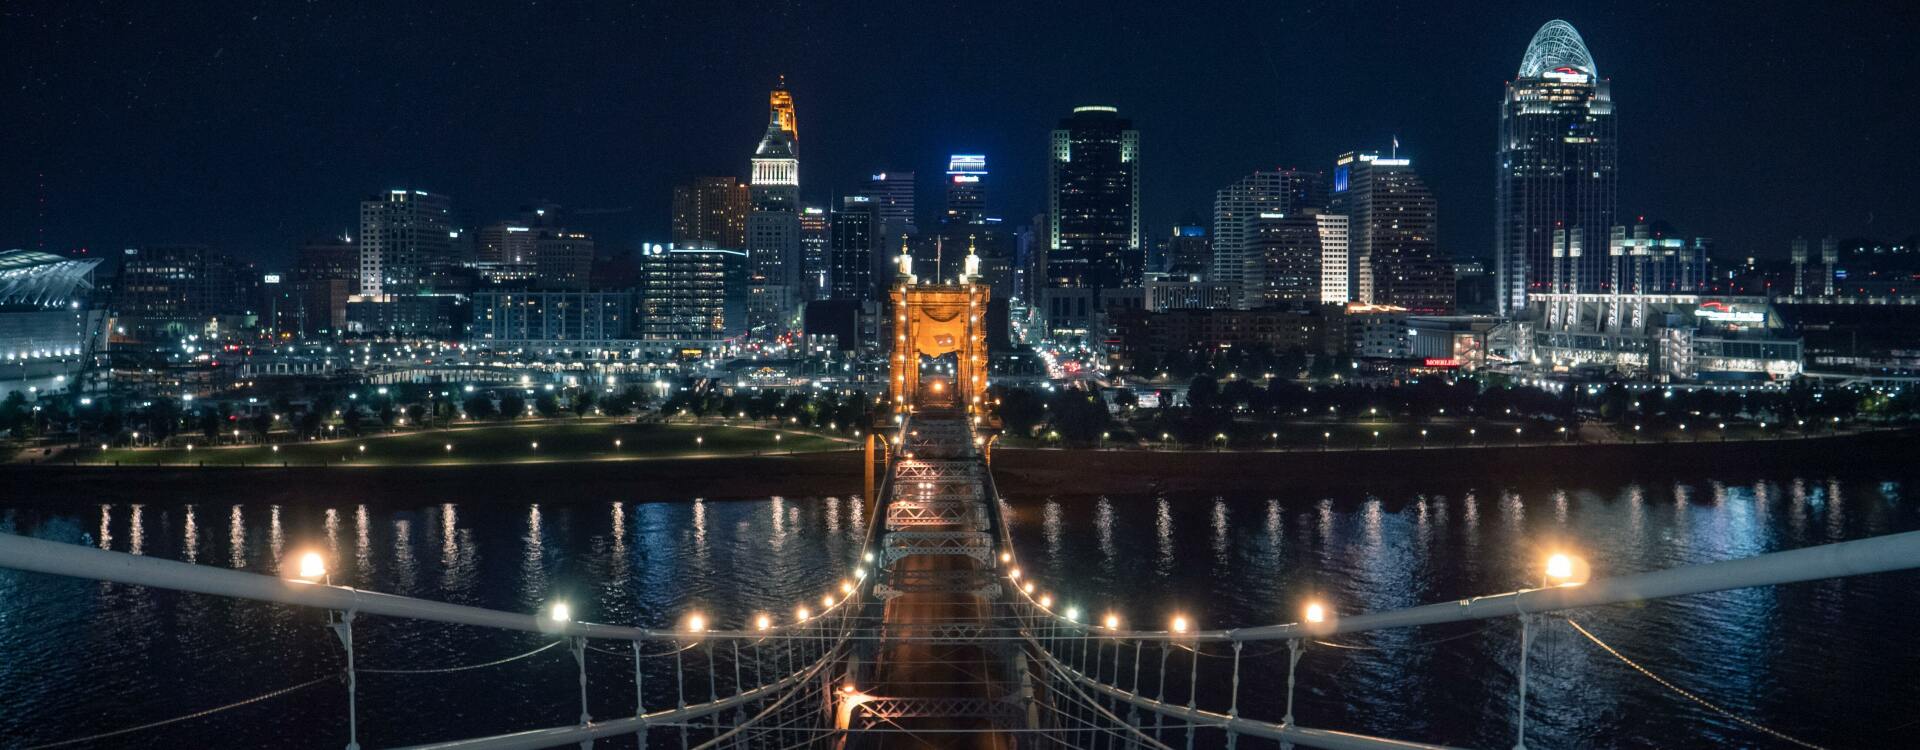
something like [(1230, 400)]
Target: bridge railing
[(709, 684), (1129, 669)]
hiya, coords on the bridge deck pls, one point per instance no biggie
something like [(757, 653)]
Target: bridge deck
[(934, 683)]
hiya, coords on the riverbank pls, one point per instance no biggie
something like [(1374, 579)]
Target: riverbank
[(1018, 472)]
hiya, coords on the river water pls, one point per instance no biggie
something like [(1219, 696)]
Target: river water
[(1830, 662)]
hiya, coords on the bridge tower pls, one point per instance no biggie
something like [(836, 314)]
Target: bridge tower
[(933, 320)]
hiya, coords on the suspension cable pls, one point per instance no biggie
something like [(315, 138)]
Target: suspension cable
[(1777, 734), (187, 717), (443, 670)]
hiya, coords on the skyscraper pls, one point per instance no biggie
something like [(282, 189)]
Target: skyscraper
[(1335, 259), (1557, 166), (773, 223), (1189, 251), (1093, 201), (855, 244), (1237, 207), (815, 257), (1283, 269), (405, 236), (711, 210), (1392, 225), (966, 189), (892, 194)]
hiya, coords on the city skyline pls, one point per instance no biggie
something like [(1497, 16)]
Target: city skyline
[(299, 157)]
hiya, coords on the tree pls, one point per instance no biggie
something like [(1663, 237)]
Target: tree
[(479, 407), (546, 405), (583, 402), (512, 406), (417, 414)]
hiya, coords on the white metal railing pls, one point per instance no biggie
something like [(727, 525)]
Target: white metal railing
[(1076, 650), (779, 658)]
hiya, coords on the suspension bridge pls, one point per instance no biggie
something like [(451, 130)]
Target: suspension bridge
[(935, 638)]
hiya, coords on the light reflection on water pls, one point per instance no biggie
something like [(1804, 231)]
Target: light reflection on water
[(118, 655), (1770, 652)]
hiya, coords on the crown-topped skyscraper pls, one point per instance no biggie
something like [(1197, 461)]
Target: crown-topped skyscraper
[(773, 224), (1558, 157)]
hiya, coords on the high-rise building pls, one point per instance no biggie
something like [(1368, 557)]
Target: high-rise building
[(1189, 252), (563, 259), (505, 242), (1093, 202), (169, 285), (1284, 268), (773, 223), (1336, 260), (1557, 166), (685, 294), (406, 236), (966, 189), (892, 195), (711, 210), (815, 255), (1392, 226), (324, 275), (854, 248), (1238, 207)]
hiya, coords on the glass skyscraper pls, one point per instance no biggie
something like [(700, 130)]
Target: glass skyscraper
[(1094, 202), (1558, 157)]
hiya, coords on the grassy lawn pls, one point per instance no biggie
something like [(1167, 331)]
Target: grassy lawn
[(557, 441)]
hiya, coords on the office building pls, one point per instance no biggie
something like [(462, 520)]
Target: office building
[(815, 254), (1392, 225), (892, 196), (324, 275), (1237, 207), (776, 267), (563, 259), (406, 237), (966, 189), (505, 319), (1093, 202), (1336, 259), (854, 250), (181, 286), (711, 210), (1283, 261), (1189, 252), (1557, 167)]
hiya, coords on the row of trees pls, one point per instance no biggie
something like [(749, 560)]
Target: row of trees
[(1079, 415), (818, 409)]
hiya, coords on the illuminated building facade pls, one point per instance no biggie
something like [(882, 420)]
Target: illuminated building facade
[(1661, 337), (892, 196), (966, 189), (1392, 226), (1094, 202), (405, 237), (711, 210), (776, 266), (1558, 156), (1238, 207)]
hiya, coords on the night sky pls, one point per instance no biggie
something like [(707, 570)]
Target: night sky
[(254, 126)]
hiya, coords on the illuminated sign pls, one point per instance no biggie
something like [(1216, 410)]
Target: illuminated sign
[(1721, 312), (1443, 362), (965, 178), (272, 278), (967, 164)]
